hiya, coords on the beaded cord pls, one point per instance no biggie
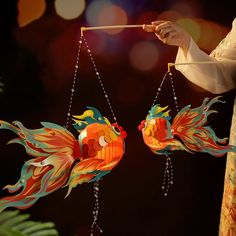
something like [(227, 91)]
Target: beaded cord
[(82, 41), (168, 177)]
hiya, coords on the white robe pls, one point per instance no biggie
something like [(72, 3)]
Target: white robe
[(218, 78)]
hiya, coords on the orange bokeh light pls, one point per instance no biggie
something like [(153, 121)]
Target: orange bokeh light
[(29, 10), (144, 55), (112, 15)]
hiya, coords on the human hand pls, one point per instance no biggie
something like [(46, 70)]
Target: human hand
[(169, 33)]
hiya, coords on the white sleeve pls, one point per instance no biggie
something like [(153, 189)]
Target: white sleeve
[(216, 78)]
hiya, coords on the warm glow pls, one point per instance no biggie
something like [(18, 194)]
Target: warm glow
[(69, 9), (93, 10), (112, 15), (144, 55), (103, 12), (29, 10), (211, 34), (191, 26)]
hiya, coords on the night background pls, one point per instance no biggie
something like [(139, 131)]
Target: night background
[(38, 49)]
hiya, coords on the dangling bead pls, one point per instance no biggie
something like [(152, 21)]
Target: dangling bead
[(95, 209), (168, 178)]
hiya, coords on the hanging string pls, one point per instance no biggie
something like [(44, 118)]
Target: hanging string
[(174, 93), (95, 209), (100, 80), (68, 118), (168, 177), (73, 84), (159, 88)]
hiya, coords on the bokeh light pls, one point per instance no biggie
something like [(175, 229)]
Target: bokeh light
[(191, 26), (211, 35), (144, 55), (69, 9), (93, 10), (105, 13), (112, 15), (29, 10)]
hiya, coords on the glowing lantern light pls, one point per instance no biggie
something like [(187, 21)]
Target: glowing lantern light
[(144, 56), (30, 11), (69, 9)]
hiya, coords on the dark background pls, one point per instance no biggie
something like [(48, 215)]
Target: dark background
[(36, 66)]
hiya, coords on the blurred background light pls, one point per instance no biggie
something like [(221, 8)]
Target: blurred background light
[(69, 9), (191, 26), (144, 55), (131, 8), (112, 15), (29, 10), (93, 10), (104, 12), (211, 35)]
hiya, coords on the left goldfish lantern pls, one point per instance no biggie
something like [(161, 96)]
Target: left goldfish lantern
[(62, 160)]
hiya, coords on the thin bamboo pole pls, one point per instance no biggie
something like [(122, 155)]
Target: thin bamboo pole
[(199, 62), (109, 27)]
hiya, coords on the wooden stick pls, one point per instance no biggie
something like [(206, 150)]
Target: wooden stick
[(199, 62), (105, 27)]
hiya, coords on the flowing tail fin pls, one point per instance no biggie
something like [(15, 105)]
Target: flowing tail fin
[(188, 125), (54, 150), (39, 177)]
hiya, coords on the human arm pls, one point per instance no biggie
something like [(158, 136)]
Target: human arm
[(215, 78)]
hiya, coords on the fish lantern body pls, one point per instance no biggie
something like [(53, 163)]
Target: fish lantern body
[(187, 132), (60, 159)]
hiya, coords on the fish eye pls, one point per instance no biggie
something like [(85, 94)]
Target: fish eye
[(116, 130)]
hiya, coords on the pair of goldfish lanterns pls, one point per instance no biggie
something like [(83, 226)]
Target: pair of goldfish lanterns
[(60, 159)]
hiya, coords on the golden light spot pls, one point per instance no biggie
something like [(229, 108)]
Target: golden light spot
[(144, 55), (69, 9), (112, 15), (29, 11)]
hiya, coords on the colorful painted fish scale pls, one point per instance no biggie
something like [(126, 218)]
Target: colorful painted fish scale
[(59, 159), (187, 131)]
